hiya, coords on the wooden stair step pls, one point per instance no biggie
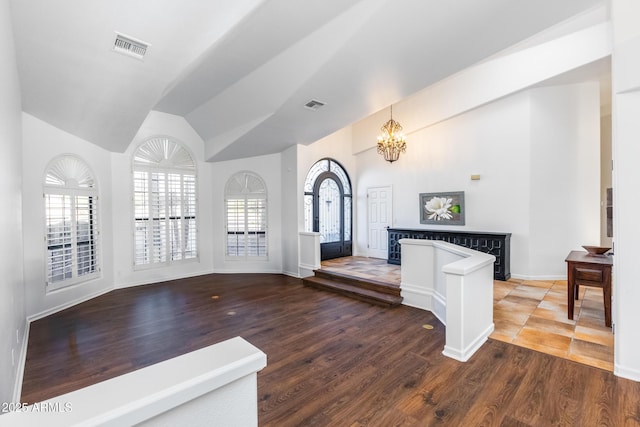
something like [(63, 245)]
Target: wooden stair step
[(353, 291), (371, 284)]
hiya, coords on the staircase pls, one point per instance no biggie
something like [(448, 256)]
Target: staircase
[(368, 290)]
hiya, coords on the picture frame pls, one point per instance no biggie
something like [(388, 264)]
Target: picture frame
[(444, 208)]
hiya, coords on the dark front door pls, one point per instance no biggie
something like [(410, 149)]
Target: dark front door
[(329, 217)]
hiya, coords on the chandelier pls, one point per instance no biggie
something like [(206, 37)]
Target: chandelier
[(391, 143)]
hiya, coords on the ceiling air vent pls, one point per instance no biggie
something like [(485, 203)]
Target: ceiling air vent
[(130, 46), (314, 104)]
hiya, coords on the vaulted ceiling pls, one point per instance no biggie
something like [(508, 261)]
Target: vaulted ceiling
[(241, 71)]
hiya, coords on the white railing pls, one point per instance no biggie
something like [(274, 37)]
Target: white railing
[(456, 285), (216, 385)]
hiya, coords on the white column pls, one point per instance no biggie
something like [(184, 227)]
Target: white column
[(625, 15)]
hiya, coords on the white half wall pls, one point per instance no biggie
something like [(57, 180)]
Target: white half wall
[(215, 385), (456, 285)]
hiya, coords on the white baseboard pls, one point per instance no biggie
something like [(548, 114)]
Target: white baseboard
[(306, 270), (22, 361), (167, 278), (549, 278), (416, 296), (292, 274), (428, 300), (628, 373), (464, 354), (440, 308), (240, 271), (67, 304)]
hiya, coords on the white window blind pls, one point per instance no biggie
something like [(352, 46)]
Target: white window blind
[(246, 216), (164, 187), (71, 223), (256, 227), (236, 239)]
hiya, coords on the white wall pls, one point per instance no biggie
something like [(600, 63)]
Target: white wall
[(157, 124), (291, 202), (295, 164), (269, 169), (626, 175), (492, 141), (41, 144), (565, 175), (12, 305), (113, 172), (606, 177), (509, 143)]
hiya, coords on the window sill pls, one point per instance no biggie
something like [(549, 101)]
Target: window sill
[(167, 264), (55, 287)]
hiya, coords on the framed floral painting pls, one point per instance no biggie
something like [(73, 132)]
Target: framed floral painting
[(442, 208)]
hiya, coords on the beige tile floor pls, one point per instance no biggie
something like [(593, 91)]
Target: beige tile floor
[(533, 314), (530, 314), (368, 268)]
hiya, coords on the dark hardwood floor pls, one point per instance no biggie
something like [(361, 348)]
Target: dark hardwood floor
[(332, 361)]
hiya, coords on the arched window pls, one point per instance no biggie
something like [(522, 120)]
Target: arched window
[(71, 221), (246, 216), (328, 207), (165, 203)]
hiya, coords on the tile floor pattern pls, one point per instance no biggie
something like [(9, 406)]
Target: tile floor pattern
[(533, 314), (368, 268), (527, 313)]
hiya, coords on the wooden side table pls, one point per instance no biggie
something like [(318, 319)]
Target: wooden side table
[(589, 270)]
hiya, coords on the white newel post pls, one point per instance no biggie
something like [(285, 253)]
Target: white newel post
[(456, 285), (309, 258), (470, 309)]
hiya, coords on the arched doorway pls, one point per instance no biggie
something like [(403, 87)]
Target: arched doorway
[(328, 207)]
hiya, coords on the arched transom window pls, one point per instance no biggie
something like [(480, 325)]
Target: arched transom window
[(246, 216), (165, 203), (71, 222)]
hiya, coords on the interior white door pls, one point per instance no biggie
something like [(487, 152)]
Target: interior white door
[(379, 211)]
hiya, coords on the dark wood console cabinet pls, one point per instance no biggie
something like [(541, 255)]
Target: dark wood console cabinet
[(496, 244)]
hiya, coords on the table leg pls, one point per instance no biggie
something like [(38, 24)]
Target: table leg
[(606, 295), (571, 293)]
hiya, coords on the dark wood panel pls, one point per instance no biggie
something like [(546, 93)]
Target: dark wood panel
[(332, 361), (496, 244)]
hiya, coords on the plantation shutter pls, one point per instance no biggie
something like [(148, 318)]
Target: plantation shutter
[(165, 203)]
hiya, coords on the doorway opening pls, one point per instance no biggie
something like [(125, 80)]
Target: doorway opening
[(379, 212), (328, 208)]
